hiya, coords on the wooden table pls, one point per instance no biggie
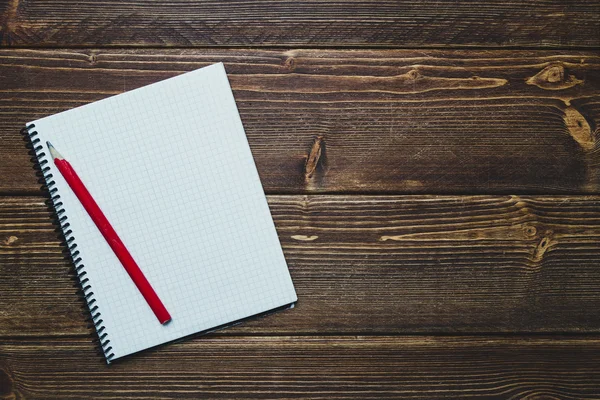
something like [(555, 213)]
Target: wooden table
[(433, 169)]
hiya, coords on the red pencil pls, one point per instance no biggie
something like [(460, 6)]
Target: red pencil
[(110, 235)]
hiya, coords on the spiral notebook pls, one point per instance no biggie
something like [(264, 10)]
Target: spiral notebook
[(170, 166)]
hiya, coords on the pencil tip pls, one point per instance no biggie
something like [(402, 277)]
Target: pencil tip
[(53, 152)]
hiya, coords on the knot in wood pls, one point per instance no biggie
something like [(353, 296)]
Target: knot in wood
[(530, 231), (553, 77), (312, 161), (289, 64), (543, 246), (413, 74), (555, 74), (579, 129)]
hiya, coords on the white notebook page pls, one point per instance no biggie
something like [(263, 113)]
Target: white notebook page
[(170, 166)]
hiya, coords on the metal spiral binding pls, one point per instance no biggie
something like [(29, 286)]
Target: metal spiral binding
[(40, 162)]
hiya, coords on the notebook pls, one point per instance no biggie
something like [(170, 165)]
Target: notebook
[(170, 166)]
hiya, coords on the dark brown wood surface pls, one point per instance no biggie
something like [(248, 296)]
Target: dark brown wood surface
[(433, 170), (369, 23), (386, 121), (299, 367), (368, 265)]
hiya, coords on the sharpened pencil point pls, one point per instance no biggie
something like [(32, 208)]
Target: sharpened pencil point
[(53, 152)]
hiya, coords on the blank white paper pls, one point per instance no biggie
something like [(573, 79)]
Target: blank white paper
[(170, 166)]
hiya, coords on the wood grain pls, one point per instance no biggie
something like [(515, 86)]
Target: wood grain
[(369, 23), (293, 367), (368, 265), (338, 136), (386, 121)]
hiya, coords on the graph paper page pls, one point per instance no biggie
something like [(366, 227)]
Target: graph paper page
[(170, 166)]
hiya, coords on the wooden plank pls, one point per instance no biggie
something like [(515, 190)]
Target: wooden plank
[(309, 367), (369, 264), (369, 23), (382, 121)]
